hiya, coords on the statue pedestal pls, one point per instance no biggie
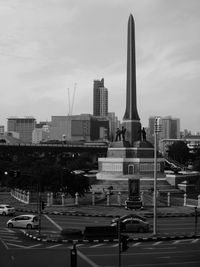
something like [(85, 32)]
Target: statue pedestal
[(133, 204), (124, 161)]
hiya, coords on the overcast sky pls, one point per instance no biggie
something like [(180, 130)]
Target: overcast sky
[(46, 46)]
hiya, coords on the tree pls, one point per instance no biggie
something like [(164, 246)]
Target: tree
[(179, 151), (73, 183)]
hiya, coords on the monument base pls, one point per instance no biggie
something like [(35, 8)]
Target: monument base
[(123, 161), (133, 204)]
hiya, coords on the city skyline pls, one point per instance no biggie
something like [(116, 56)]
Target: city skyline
[(48, 46)]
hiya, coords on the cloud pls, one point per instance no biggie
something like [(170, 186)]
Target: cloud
[(47, 46)]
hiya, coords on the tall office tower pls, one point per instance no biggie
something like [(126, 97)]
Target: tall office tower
[(170, 128), (23, 126), (100, 99)]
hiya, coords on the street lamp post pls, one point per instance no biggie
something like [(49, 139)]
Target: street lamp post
[(157, 128)]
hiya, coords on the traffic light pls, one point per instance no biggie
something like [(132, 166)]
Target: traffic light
[(43, 205), (124, 240)]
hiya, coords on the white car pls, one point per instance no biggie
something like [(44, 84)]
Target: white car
[(28, 221), (6, 209)]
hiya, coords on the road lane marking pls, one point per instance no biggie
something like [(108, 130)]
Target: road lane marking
[(182, 241), (156, 243), (85, 258), (37, 245), (136, 244), (54, 246), (160, 248), (195, 240), (79, 245), (115, 245), (54, 223), (98, 245)]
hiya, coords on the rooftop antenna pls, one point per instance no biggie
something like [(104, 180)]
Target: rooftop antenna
[(68, 101), (73, 98), (71, 103)]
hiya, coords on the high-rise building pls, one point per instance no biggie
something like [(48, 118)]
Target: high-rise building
[(60, 127), (170, 127), (23, 126), (41, 132), (2, 130), (170, 130), (100, 99), (79, 127)]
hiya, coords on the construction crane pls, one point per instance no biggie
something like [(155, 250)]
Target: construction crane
[(71, 104)]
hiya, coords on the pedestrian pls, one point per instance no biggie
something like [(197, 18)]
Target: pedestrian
[(118, 135), (123, 131)]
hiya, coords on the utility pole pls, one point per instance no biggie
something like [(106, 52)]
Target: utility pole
[(73, 254), (196, 220), (40, 204), (119, 240), (157, 128)]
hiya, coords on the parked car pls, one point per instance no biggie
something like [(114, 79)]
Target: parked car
[(132, 215), (28, 221), (6, 209), (133, 225)]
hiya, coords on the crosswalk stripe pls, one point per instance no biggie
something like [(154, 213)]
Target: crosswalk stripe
[(9, 230), (6, 234), (4, 231), (10, 239), (15, 245)]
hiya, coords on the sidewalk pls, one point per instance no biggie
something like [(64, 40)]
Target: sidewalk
[(97, 210)]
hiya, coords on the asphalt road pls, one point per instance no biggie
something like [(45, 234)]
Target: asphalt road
[(172, 225), (162, 253), (165, 226), (17, 250)]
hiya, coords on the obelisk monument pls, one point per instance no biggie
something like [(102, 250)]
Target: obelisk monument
[(131, 120), (131, 157)]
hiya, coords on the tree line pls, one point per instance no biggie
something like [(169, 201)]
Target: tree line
[(51, 173)]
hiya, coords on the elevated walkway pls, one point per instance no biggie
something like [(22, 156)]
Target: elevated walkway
[(175, 164)]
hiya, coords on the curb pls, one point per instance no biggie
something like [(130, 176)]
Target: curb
[(139, 239), (149, 215)]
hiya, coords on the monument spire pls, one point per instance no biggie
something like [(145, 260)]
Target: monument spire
[(131, 106), (131, 119)]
